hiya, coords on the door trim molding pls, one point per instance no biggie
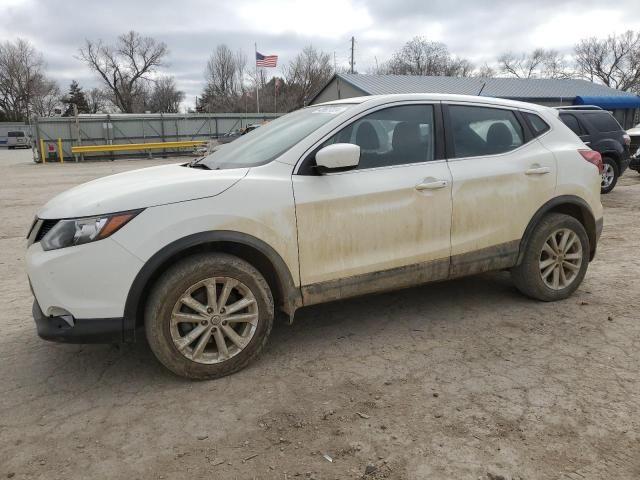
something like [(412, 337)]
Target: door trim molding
[(376, 282), (498, 257)]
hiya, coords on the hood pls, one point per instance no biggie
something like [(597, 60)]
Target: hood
[(142, 188)]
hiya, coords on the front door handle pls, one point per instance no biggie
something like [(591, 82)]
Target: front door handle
[(432, 185), (538, 171)]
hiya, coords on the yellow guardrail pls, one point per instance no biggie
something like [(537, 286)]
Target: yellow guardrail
[(128, 147)]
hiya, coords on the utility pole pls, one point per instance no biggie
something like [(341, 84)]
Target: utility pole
[(77, 121), (255, 59), (352, 61)]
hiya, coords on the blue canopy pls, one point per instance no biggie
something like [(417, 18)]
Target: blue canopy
[(610, 103)]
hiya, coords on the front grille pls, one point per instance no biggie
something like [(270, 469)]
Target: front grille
[(44, 229), (635, 144)]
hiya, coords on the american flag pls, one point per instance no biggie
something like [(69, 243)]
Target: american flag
[(268, 61)]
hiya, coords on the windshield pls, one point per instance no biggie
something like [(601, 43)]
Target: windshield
[(15, 134), (264, 144)]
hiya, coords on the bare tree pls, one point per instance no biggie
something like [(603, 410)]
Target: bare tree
[(165, 96), (615, 61), (539, 63), (24, 87), (96, 100), (485, 71), (420, 56), (224, 74), (305, 75), (126, 67), (46, 98)]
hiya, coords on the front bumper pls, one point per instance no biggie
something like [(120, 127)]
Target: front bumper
[(93, 330), (87, 281), (634, 163)]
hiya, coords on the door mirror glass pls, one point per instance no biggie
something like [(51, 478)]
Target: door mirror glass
[(339, 156)]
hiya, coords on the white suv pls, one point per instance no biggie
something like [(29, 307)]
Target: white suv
[(328, 202)]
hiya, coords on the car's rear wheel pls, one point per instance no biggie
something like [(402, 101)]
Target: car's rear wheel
[(209, 316), (555, 261), (610, 175)]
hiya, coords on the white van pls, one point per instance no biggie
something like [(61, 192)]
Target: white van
[(17, 139)]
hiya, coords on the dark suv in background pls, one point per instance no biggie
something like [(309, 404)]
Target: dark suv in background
[(602, 132)]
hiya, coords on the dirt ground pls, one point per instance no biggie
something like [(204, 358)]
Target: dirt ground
[(459, 380)]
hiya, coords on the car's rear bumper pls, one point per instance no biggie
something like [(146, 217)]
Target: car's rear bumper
[(624, 163), (77, 330)]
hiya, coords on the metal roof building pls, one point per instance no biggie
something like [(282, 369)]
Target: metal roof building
[(551, 92)]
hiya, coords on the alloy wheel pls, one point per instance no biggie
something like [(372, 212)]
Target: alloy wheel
[(608, 174), (214, 320), (560, 259)]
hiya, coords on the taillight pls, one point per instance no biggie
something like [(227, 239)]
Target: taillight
[(627, 139), (594, 157)]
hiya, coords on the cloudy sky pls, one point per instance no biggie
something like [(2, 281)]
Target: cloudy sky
[(476, 29)]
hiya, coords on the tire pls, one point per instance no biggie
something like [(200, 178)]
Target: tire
[(230, 343), (611, 167), (528, 277)]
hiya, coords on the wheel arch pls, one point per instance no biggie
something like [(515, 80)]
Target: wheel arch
[(263, 257), (569, 205), (613, 155)]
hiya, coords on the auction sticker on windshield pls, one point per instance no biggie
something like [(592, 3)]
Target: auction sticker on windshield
[(330, 110)]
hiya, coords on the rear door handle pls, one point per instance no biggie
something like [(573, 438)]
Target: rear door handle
[(432, 185), (538, 171)]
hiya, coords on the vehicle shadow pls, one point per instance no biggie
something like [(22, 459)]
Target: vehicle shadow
[(315, 328)]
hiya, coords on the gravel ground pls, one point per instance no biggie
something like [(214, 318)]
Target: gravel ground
[(464, 379)]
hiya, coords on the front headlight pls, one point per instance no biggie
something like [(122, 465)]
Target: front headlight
[(76, 231)]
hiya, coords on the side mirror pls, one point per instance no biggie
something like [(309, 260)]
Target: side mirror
[(337, 157)]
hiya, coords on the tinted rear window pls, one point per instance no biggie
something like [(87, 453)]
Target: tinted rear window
[(603, 122), (538, 125), (15, 134)]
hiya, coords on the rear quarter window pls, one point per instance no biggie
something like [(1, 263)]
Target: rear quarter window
[(538, 126), (603, 122)]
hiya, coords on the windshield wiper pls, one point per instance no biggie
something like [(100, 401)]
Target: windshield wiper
[(195, 164)]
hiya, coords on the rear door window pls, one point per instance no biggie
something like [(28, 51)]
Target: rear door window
[(479, 131)]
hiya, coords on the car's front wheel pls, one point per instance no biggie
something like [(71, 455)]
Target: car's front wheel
[(208, 316), (610, 175), (555, 260)]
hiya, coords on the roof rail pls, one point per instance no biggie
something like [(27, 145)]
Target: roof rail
[(579, 107)]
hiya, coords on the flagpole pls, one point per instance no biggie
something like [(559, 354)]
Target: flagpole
[(255, 59)]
